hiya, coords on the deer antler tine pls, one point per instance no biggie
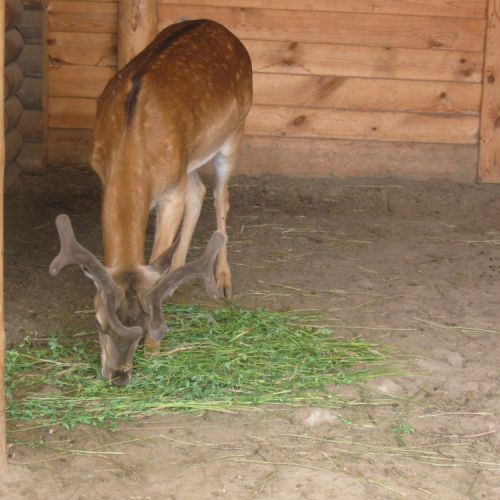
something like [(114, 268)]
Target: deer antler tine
[(213, 248), (167, 284), (163, 262), (202, 266), (67, 240), (73, 252)]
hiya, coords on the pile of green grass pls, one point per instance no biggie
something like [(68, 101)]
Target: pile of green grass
[(218, 359)]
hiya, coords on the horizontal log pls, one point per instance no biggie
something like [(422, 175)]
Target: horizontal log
[(309, 91), (11, 174), (284, 156), (78, 81), (31, 26), (13, 144), (377, 62), (31, 126), (31, 93), (32, 158), (13, 78), (342, 158), (14, 44), (303, 26), (31, 61), (340, 28), (87, 17), (366, 94), (13, 12), (360, 125), (13, 111), (68, 112), (69, 146), (65, 112), (87, 49), (33, 5), (83, 49), (446, 8)]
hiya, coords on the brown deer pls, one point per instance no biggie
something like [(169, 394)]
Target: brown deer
[(179, 103)]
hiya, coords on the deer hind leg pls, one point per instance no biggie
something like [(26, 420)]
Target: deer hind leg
[(224, 162)]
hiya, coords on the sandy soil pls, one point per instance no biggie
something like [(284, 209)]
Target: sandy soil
[(406, 264)]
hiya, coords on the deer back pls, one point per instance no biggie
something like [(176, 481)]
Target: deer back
[(176, 101)]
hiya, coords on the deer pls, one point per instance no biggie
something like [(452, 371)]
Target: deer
[(178, 104)]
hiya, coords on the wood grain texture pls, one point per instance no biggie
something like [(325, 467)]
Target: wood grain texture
[(489, 150), (13, 144), (14, 44), (308, 91), (341, 28), (367, 73), (97, 49), (31, 61), (289, 25), (137, 27), (13, 79), (281, 121), (343, 158), (78, 81), (87, 17), (69, 112), (365, 94), (31, 158), (13, 11), (446, 8), (13, 110), (82, 49), (31, 26), (31, 93), (376, 62), (69, 146), (31, 126)]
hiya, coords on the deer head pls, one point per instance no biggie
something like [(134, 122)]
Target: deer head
[(128, 304)]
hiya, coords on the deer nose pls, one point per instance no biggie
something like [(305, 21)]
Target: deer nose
[(121, 377)]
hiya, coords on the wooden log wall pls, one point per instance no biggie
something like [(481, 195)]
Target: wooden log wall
[(13, 78), (33, 155), (343, 87), (3, 417), (489, 153)]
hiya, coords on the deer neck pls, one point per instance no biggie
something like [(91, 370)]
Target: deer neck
[(125, 212)]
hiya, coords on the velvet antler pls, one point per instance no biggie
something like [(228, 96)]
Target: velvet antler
[(166, 285), (73, 252)]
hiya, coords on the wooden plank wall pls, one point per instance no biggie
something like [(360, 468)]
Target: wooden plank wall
[(489, 157), (344, 87)]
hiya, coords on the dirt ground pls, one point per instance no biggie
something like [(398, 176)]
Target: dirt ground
[(414, 265)]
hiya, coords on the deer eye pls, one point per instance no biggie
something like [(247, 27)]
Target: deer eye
[(98, 325)]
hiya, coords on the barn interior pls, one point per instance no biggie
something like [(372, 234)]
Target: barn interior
[(366, 190)]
